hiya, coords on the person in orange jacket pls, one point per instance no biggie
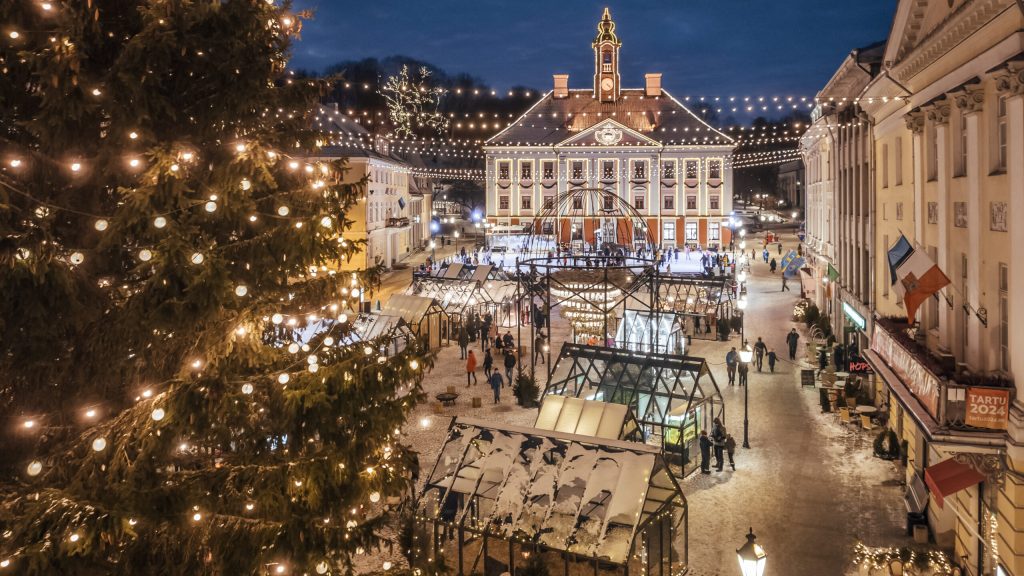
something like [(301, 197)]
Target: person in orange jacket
[(470, 369)]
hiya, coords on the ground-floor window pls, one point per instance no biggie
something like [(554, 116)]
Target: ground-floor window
[(668, 232), (691, 232), (548, 228), (714, 232)]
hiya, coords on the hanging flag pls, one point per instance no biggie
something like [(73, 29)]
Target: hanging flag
[(914, 276), (794, 266), (833, 274), (787, 259)]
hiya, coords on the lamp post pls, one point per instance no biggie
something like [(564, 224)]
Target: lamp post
[(745, 355), (751, 556), (456, 243)]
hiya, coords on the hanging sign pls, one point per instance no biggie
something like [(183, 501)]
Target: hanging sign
[(987, 408)]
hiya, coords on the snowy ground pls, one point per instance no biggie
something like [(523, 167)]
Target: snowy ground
[(808, 486)]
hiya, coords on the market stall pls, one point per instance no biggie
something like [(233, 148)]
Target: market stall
[(499, 497), (673, 397), (423, 315)]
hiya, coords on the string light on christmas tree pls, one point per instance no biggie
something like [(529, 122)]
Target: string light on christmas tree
[(283, 378), (99, 444), (34, 468), (158, 414), (145, 255), (159, 222)]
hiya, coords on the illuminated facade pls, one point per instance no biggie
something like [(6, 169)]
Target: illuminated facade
[(640, 144)]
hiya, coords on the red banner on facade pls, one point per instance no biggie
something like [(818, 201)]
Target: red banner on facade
[(988, 408)]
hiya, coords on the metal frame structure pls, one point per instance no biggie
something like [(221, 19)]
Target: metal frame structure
[(459, 297), (507, 492), (698, 297), (667, 393), (584, 212)]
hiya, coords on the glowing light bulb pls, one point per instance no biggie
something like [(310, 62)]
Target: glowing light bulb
[(414, 364), (293, 165), (311, 359), (245, 184), (147, 393), (197, 364), (293, 348), (284, 378), (322, 568), (280, 569), (367, 350), (77, 258), (425, 422), (74, 537), (15, 163), (277, 318), (90, 413), (283, 211), (247, 388), (34, 468), (160, 222), (14, 35), (76, 166), (175, 167), (132, 521), (241, 290), (387, 565), (145, 255), (134, 162), (211, 206), (241, 330), (328, 341), (96, 92), (197, 258), (29, 423), (313, 368), (99, 444), (239, 147), (326, 222), (187, 156), (197, 517), (375, 497), (343, 318), (133, 135), (286, 21), (158, 414)]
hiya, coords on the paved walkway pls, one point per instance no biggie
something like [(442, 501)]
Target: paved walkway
[(809, 487)]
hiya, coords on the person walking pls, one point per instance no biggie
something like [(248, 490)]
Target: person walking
[(791, 339), (764, 254), (470, 368), (538, 347), (730, 449), (508, 341), (510, 363), (731, 358), (839, 358), (780, 248), (759, 349), (705, 452), (822, 359), (743, 369), (773, 265), (718, 442), (496, 385), (488, 363), (463, 342), (772, 357), (785, 285)]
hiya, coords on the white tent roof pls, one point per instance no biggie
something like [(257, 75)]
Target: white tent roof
[(481, 272), (452, 271), (569, 492), (585, 417), (407, 306)]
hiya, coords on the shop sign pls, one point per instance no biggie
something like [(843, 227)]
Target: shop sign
[(860, 367), (987, 408), (854, 317), (923, 384)]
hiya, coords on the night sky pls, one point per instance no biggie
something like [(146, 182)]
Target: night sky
[(703, 47)]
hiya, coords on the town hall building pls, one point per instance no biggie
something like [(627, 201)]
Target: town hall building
[(640, 148)]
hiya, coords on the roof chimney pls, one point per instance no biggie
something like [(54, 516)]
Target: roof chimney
[(652, 84), (561, 86)]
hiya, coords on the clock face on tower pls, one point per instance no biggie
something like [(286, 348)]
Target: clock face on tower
[(607, 84)]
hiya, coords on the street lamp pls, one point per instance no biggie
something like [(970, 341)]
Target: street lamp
[(456, 242), (745, 355), (752, 556), (433, 245)]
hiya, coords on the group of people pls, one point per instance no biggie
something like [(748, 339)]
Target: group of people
[(721, 442), (504, 346)]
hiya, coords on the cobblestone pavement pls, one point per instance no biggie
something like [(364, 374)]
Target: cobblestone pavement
[(808, 486)]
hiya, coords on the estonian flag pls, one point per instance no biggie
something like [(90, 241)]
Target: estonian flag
[(914, 276)]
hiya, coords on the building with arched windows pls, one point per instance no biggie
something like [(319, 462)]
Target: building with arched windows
[(640, 144)]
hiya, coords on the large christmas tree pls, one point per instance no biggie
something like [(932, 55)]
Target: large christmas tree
[(181, 390)]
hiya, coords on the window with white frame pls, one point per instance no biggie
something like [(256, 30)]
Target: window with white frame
[(691, 202), (503, 168), (669, 202), (692, 169), (691, 232), (639, 170), (714, 169), (668, 231), (898, 161), (526, 170), (608, 170), (576, 170), (714, 232), (503, 203), (713, 202), (548, 170), (668, 170)]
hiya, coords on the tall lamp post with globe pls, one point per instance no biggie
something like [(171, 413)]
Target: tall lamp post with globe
[(751, 556)]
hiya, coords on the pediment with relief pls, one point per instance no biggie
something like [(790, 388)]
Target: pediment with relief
[(608, 133)]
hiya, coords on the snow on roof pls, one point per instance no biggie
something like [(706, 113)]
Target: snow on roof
[(579, 494), (410, 308), (586, 417)]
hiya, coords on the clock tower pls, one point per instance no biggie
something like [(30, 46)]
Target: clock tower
[(606, 60)]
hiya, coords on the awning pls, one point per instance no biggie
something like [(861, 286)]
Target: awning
[(948, 477)]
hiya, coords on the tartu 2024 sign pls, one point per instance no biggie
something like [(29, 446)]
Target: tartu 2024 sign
[(987, 408)]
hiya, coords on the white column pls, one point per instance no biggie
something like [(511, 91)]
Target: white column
[(939, 115), (1015, 175), (969, 101)]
